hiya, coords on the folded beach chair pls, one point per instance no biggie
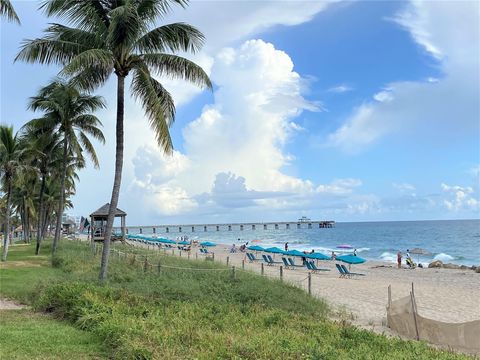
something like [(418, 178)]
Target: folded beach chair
[(265, 258), (350, 273), (252, 257), (249, 256), (272, 261), (293, 264), (343, 274), (314, 267)]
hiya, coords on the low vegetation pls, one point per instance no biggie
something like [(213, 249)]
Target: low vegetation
[(193, 314)]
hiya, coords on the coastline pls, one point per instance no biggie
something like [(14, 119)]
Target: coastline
[(447, 295)]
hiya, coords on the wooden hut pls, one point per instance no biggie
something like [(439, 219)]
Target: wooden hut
[(68, 227), (98, 223)]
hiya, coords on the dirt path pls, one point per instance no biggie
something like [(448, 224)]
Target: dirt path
[(6, 304)]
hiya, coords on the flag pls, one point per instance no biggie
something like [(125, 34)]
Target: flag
[(84, 224)]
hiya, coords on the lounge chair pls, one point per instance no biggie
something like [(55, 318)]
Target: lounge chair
[(314, 267), (350, 273), (343, 274), (252, 257), (292, 263), (285, 262), (265, 258), (273, 261)]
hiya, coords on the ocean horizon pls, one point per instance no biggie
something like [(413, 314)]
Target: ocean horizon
[(454, 241)]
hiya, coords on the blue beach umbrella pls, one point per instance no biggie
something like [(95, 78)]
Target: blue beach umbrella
[(183, 243), (165, 241), (274, 250), (256, 248), (207, 243), (351, 259), (318, 256), (294, 253)]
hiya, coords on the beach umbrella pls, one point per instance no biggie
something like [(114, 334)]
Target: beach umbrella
[(318, 256), (207, 243), (165, 241), (256, 248), (274, 250), (183, 242), (351, 259), (420, 251), (295, 253)]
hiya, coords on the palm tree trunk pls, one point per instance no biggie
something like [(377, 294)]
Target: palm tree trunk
[(118, 177), (7, 220), (58, 228), (40, 216)]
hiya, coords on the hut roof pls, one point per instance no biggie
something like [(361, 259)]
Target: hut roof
[(69, 222), (103, 211)]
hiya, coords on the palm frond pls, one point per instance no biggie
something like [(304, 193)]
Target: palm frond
[(125, 26), (157, 104), (7, 10), (152, 9), (173, 37), (46, 51), (93, 57), (88, 147), (177, 67)]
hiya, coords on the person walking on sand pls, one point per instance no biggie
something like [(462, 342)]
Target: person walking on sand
[(399, 259), (286, 246)]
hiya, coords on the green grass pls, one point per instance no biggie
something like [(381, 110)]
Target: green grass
[(185, 314), (26, 335)]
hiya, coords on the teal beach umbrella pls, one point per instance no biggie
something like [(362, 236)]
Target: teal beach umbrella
[(318, 256), (295, 253), (274, 250), (207, 243), (351, 259), (256, 248)]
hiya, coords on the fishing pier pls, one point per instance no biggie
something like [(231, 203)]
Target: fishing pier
[(192, 228)]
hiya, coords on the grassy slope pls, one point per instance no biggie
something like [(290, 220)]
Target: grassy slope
[(26, 335), (192, 314)]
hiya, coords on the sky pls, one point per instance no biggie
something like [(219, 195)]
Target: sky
[(346, 111)]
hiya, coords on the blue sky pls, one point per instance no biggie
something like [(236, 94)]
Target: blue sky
[(351, 111)]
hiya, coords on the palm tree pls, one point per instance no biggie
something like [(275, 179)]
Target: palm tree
[(7, 10), (67, 112), (120, 37), (10, 163)]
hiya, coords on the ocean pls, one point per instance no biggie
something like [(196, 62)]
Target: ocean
[(455, 241)]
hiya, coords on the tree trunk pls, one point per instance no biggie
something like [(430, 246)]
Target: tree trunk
[(58, 228), (7, 220), (23, 218), (118, 177), (40, 216)]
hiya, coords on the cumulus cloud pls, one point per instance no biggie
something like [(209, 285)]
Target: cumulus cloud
[(404, 186), (460, 198), (445, 30)]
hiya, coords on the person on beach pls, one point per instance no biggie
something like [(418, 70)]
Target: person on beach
[(354, 252), (334, 256), (286, 246), (399, 259), (233, 249)]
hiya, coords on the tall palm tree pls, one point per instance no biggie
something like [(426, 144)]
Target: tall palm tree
[(119, 37), (10, 163), (7, 10), (67, 112)]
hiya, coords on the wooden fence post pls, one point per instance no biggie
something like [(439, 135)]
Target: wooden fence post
[(159, 267), (262, 269), (145, 265), (310, 283), (196, 256), (281, 273), (389, 295), (233, 272), (243, 264), (228, 260)]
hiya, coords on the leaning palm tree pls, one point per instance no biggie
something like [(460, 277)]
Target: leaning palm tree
[(119, 37), (7, 10), (67, 112), (10, 163)]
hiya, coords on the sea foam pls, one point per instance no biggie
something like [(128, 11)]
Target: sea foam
[(443, 257)]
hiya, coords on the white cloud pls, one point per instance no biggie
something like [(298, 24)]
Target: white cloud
[(447, 31), (342, 88), (460, 198), (404, 186)]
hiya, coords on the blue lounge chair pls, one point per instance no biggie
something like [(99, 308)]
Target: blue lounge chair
[(285, 262), (252, 256), (249, 257), (267, 261), (350, 274), (293, 264), (343, 274), (309, 266), (315, 268), (273, 261)]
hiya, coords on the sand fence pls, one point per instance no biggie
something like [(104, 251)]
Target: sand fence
[(403, 318)]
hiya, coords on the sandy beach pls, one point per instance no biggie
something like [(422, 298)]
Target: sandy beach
[(446, 295)]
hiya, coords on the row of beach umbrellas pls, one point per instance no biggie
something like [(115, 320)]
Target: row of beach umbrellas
[(168, 241), (349, 259)]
